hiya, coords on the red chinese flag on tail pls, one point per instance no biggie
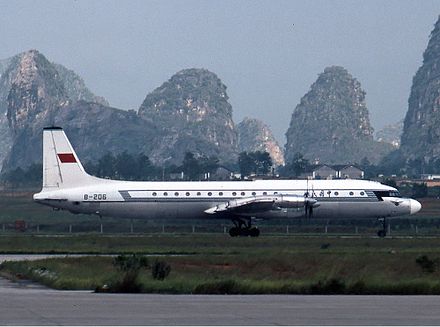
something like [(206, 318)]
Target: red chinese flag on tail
[(66, 157)]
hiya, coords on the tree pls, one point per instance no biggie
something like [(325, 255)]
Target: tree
[(145, 168), (125, 166), (257, 162), (32, 175), (297, 166), (208, 165), (246, 164), (106, 166), (191, 167), (416, 167), (419, 190), (390, 182), (263, 162)]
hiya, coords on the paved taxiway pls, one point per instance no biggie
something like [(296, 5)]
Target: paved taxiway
[(25, 303)]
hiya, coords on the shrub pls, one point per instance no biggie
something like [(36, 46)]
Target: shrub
[(325, 246), (331, 286), (221, 287), (358, 288), (130, 266), (160, 270), (426, 264)]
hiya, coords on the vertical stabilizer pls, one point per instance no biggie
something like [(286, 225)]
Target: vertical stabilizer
[(61, 166)]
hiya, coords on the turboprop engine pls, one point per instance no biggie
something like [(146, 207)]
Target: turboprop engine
[(263, 203)]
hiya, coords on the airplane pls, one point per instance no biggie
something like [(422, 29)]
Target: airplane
[(67, 186)]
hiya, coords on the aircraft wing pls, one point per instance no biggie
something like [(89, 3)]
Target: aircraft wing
[(261, 203)]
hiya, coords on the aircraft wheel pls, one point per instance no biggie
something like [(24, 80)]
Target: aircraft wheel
[(254, 232), (234, 231), (244, 232), (381, 233)]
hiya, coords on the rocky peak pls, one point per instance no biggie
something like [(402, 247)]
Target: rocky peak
[(390, 134), (8, 71), (193, 112), (190, 96), (75, 87), (27, 69), (433, 48), (36, 93), (32, 89), (331, 124), (254, 135), (36, 88), (421, 130)]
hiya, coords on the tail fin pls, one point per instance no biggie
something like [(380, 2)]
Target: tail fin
[(61, 166)]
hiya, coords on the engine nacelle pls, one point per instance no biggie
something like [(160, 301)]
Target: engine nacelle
[(264, 202), (293, 201)]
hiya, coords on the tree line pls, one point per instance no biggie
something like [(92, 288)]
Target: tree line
[(127, 166)]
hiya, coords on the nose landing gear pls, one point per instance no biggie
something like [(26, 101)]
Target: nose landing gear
[(243, 227)]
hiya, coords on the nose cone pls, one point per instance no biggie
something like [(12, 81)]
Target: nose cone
[(38, 197), (415, 206)]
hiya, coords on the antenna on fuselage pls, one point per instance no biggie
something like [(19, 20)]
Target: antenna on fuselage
[(308, 206)]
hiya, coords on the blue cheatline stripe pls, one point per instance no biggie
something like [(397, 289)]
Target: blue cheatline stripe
[(126, 193), (127, 198)]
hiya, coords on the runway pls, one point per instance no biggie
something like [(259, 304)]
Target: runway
[(27, 304)]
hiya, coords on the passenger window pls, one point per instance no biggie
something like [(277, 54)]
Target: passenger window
[(165, 194), (234, 193), (154, 193), (220, 193), (209, 193), (264, 193), (242, 193), (362, 193), (198, 193), (187, 194), (351, 193), (176, 194), (253, 193), (336, 193), (275, 193)]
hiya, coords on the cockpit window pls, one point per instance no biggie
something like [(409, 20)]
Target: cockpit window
[(385, 194)]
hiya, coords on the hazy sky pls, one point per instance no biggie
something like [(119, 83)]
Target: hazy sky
[(268, 53)]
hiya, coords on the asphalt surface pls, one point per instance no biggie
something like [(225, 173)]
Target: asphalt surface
[(26, 303)]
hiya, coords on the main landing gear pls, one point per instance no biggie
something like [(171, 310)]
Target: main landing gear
[(243, 227), (383, 232)]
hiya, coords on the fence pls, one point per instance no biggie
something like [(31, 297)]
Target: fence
[(147, 227)]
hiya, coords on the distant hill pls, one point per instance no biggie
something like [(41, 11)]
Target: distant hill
[(192, 113), (421, 130), (45, 94), (331, 124), (30, 88), (254, 135), (390, 134)]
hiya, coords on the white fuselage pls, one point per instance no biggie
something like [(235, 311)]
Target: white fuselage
[(172, 200)]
